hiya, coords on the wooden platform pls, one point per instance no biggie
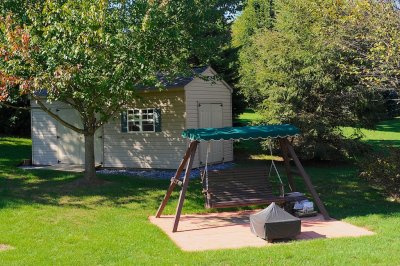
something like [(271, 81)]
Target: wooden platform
[(232, 230)]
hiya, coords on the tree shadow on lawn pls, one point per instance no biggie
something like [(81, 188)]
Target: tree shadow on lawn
[(27, 187), (383, 144), (347, 195), (343, 192), (392, 125)]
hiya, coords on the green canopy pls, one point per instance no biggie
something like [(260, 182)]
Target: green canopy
[(248, 132)]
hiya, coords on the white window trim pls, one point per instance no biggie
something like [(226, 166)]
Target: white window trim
[(141, 120)]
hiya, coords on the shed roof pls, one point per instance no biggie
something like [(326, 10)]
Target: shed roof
[(178, 82), (181, 82)]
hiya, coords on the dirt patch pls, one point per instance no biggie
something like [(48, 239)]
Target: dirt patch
[(4, 247)]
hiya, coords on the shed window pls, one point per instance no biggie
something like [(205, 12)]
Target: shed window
[(141, 120)]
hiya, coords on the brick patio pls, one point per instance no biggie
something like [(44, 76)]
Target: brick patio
[(232, 230)]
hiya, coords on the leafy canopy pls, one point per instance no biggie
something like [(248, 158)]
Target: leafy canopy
[(295, 67), (93, 54)]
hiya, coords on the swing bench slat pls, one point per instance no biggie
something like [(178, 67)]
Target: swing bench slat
[(239, 187)]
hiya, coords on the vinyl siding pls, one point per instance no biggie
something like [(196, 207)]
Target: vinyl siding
[(47, 149), (154, 149), (201, 91), (44, 135)]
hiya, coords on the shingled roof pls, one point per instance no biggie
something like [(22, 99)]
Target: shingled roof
[(176, 83), (179, 81)]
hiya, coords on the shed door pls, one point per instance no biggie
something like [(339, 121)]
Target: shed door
[(71, 145), (210, 115)]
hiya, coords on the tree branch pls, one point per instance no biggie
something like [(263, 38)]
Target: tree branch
[(73, 105), (56, 117), (112, 112), (14, 107)]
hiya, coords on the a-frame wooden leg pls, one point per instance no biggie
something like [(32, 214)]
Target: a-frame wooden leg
[(307, 180), (286, 161), (185, 185), (175, 179)]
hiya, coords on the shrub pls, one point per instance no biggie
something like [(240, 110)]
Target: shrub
[(15, 122), (383, 170)]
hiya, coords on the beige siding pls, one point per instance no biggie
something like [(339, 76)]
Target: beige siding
[(149, 150), (44, 136), (47, 149), (201, 91)]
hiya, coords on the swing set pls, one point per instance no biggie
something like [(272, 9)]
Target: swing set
[(244, 186), (233, 188)]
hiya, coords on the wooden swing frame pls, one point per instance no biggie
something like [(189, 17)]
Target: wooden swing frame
[(187, 164)]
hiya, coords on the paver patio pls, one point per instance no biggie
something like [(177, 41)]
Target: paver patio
[(224, 230)]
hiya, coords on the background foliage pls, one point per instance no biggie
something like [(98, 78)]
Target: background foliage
[(15, 122), (296, 66), (94, 55), (383, 170), (196, 30)]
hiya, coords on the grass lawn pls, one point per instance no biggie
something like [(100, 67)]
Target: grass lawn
[(48, 221), (249, 116), (386, 133)]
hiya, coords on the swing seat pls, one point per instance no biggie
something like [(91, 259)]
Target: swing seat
[(239, 187)]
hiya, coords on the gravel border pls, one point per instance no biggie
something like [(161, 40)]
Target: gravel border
[(161, 174)]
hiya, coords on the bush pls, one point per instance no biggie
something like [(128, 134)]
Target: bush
[(383, 170), (15, 122)]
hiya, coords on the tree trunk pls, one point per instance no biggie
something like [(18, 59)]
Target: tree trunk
[(90, 170)]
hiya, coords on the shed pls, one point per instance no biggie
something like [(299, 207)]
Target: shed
[(148, 133)]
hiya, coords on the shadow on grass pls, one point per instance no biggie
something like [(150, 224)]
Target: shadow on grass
[(390, 125), (343, 192), (347, 195), (57, 188), (382, 144), (29, 187)]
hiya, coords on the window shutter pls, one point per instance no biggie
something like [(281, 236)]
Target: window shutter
[(124, 121), (157, 119)]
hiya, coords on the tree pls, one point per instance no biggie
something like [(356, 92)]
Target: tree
[(258, 14), (291, 68), (227, 67), (371, 34), (93, 55), (18, 7), (369, 37), (225, 60), (15, 121)]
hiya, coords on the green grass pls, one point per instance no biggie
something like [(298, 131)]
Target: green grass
[(48, 221), (248, 117), (246, 148), (387, 133)]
